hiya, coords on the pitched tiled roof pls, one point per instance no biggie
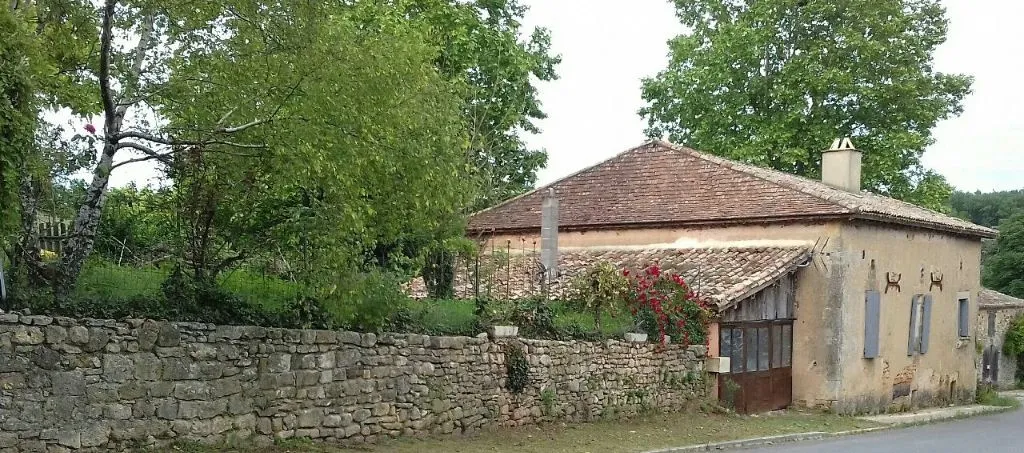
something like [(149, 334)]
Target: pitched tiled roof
[(988, 298), (662, 184), (723, 274)]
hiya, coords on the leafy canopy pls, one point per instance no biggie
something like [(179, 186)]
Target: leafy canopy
[(772, 82), (1004, 267)]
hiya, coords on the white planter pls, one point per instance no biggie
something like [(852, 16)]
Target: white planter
[(666, 340), (633, 337), (504, 331)]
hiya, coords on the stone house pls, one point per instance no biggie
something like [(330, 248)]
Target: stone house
[(995, 313), (834, 297)]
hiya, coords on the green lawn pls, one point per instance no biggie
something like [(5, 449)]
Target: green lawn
[(101, 280), (631, 436)]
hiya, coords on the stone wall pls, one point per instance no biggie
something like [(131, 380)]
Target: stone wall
[(991, 342), (93, 384)]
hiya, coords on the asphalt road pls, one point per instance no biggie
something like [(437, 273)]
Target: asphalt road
[(989, 433)]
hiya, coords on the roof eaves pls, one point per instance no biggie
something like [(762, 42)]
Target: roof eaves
[(770, 279), (671, 224)]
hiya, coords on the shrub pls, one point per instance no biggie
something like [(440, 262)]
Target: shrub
[(601, 289), (517, 368), (663, 304), (369, 302), (1013, 343)]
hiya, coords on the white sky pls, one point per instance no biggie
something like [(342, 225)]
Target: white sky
[(607, 46)]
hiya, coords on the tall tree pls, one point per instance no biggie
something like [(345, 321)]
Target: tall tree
[(772, 82), (987, 209), (482, 45), (1004, 267)]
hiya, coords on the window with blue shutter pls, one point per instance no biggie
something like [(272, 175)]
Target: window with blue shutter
[(913, 340), (872, 315), (926, 323), (963, 320)]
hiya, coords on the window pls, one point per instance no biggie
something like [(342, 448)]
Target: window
[(763, 349), (991, 324), (964, 320), (872, 319)]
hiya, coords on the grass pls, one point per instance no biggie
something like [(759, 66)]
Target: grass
[(988, 396), (107, 281), (632, 436)]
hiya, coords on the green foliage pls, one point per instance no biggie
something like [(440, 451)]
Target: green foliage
[(548, 400), (1013, 342), (729, 392), (484, 46), (772, 83), (988, 395), (135, 224), (601, 289), (367, 302), (1004, 267), (988, 209), (517, 368)]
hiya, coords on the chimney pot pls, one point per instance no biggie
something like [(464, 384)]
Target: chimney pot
[(841, 165)]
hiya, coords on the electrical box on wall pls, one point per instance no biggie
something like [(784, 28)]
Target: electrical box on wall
[(718, 364)]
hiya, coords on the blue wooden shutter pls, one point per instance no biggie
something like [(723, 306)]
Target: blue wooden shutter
[(912, 340), (872, 313), (926, 322), (963, 329)]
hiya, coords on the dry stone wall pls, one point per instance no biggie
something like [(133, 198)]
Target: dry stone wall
[(70, 384)]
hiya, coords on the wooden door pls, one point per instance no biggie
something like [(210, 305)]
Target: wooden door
[(761, 373)]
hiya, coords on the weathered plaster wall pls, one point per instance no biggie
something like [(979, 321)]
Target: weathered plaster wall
[(994, 339), (92, 384), (946, 373)]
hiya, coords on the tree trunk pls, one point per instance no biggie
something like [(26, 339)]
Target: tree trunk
[(83, 233)]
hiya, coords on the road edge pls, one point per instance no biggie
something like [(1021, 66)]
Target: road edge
[(817, 435)]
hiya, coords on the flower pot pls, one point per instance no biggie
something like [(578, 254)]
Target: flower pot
[(633, 337), (666, 340), (504, 331)]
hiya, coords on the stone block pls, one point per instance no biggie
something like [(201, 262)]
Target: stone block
[(95, 435), (68, 383), (78, 335), (239, 404), (117, 368), (361, 415), (168, 336), (27, 335), (192, 391), (13, 363), (307, 378), (167, 409), (148, 333), (69, 438), (350, 338), (276, 363), (55, 334), (132, 391), (47, 359), (98, 339), (310, 418)]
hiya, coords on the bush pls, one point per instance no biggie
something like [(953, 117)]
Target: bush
[(663, 304), (601, 289), (370, 302)]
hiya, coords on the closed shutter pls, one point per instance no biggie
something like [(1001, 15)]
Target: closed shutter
[(926, 322), (872, 314), (964, 329), (912, 340)]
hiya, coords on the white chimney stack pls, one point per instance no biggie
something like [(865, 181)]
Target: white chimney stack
[(549, 234), (840, 165)]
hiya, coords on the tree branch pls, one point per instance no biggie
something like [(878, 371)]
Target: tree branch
[(175, 142), (105, 49)]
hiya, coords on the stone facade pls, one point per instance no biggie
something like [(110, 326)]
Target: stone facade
[(70, 384), (991, 333)]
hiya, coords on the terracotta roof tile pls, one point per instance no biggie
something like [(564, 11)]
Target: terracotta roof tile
[(660, 183), (724, 274)]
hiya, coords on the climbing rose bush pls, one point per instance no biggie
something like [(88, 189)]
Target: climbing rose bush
[(663, 304)]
